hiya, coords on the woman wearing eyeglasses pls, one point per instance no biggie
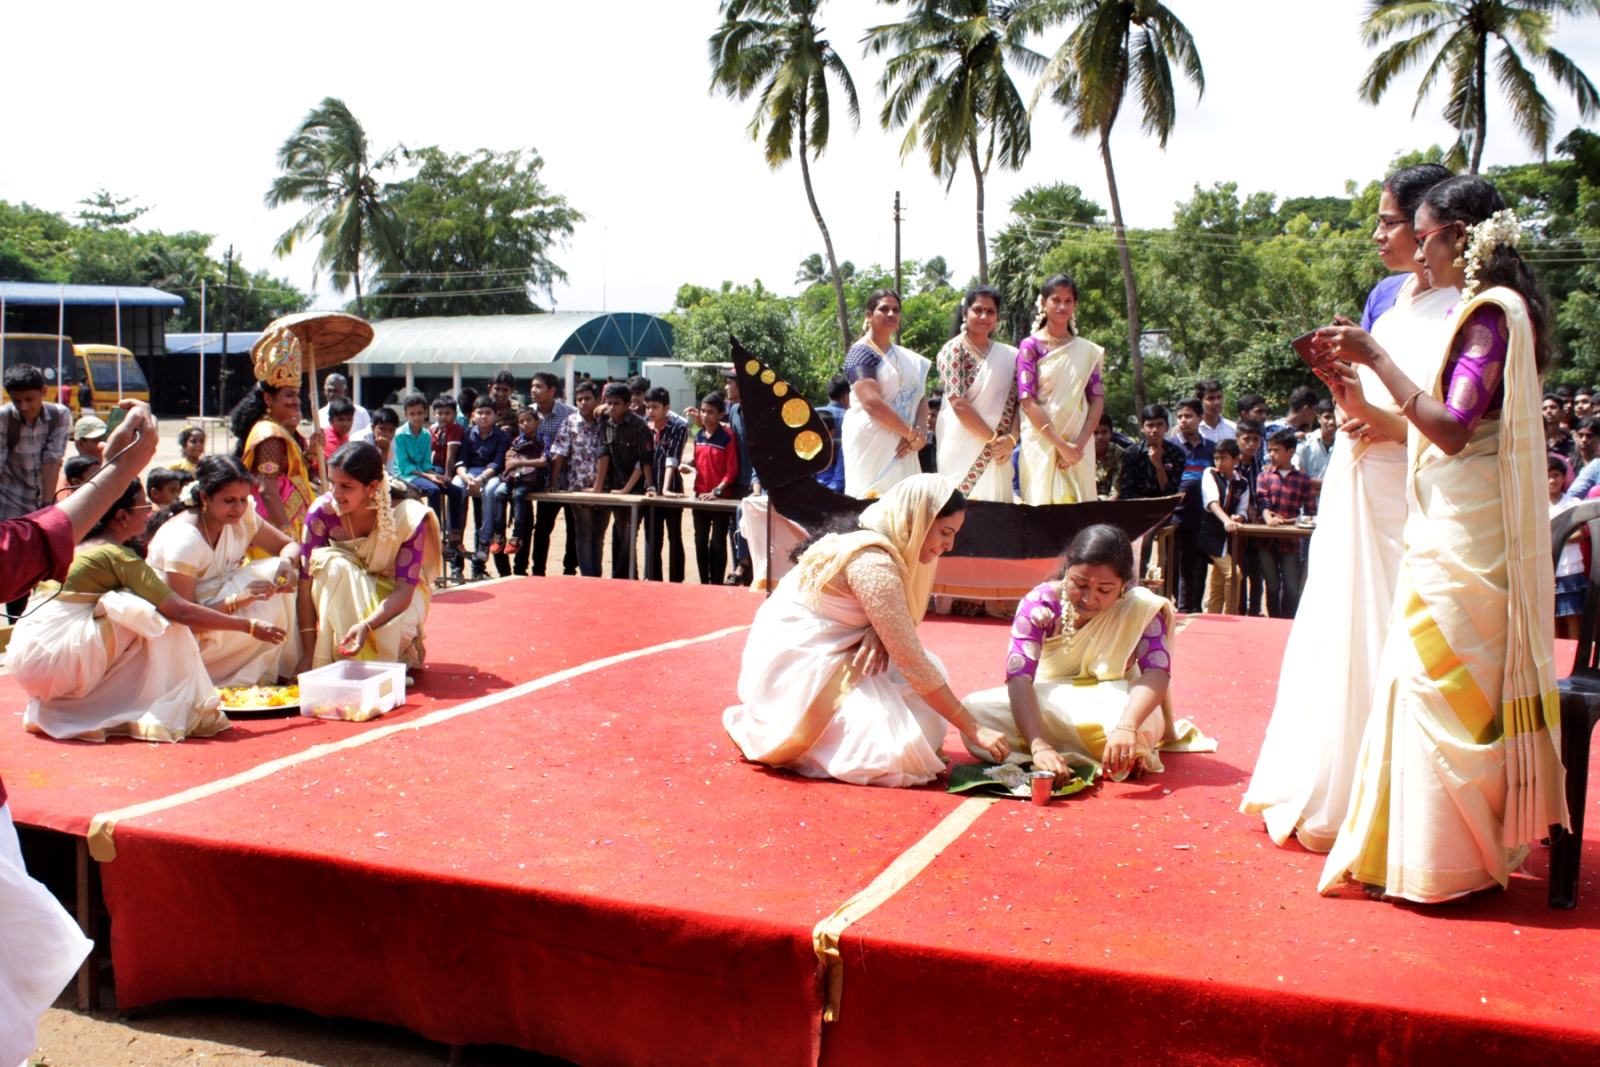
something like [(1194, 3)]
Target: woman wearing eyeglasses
[(1302, 779), (1458, 772), (110, 650)]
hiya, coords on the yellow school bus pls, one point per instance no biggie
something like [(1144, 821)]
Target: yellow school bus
[(45, 351), (99, 364)]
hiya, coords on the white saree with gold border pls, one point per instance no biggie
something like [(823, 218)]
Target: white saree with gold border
[(1063, 378), (1302, 779), (1459, 768), (349, 579), (1082, 687)]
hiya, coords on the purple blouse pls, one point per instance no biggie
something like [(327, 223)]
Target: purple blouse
[(323, 519), (1475, 371), (1039, 616), (1029, 355)]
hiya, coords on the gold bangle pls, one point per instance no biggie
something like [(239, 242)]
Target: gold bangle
[(308, 629), (1410, 400), (251, 626), (1130, 729)]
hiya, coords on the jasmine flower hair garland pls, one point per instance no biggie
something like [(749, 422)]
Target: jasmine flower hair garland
[(1501, 228)]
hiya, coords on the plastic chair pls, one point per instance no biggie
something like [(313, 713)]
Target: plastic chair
[(1580, 709)]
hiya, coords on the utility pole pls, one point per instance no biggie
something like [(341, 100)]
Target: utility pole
[(898, 288), (222, 358)]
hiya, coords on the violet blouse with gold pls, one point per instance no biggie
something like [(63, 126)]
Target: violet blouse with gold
[(1475, 370), (323, 524), (1040, 617)]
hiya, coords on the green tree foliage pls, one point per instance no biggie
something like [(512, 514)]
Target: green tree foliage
[(1041, 219), (328, 166), (768, 325), (1118, 47), (948, 84), (774, 50), (103, 210), (1559, 205), (478, 229), (43, 246), (1453, 37), (935, 274)]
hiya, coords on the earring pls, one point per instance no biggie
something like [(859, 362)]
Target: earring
[(1460, 260)]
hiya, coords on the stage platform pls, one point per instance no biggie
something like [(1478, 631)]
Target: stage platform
[(554, 845)]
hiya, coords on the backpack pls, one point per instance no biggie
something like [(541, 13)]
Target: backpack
[(52, 412)]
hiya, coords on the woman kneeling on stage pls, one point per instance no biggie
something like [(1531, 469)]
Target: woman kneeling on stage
[(1089, 671), (110, 650), (834, 682), (198, 545), (372, 560)]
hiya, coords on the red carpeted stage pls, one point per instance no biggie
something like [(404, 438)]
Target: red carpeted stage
[(554, 845)]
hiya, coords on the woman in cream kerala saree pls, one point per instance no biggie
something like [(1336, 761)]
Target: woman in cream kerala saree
[(199, 546), (978, 420), (817, 693), (886, 426), (1302, 778), (1061, 396), (1459, 769), (1089, 669), (372, 561)]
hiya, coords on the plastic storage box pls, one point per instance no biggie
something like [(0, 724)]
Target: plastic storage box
[(352, 690)]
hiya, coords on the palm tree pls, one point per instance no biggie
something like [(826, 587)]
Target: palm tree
[(950, 57), (774, 48), (811, 271), (1118, 44), (1458, 32), (327, 164), (935, 275)]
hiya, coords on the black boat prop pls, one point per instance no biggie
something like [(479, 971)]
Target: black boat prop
[(790, 445)]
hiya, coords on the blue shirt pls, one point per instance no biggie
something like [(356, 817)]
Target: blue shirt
[(1381, 299), (1196, 458), (486, 451), (747, 472), (1586, 480), (833, 477)]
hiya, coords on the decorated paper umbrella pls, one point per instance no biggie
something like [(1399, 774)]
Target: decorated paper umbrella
[(327, 339)]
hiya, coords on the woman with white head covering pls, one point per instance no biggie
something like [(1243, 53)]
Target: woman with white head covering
[(834, 683)]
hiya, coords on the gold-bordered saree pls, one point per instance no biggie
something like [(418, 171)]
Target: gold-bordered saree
[(294, 482), (1459, 768), (349, 579)]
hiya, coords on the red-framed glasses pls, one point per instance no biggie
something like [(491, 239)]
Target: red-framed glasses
[(1425, 234)]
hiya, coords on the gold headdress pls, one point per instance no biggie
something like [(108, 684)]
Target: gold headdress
[(277, 359)]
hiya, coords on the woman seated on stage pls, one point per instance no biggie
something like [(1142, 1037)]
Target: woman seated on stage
[(1089, 671), (372, 553), (198, 546), (834, 682), (111, 650)]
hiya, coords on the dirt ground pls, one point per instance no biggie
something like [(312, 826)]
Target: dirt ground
[(237, 1032)]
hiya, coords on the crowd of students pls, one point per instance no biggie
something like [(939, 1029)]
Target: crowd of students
[(493, 452)]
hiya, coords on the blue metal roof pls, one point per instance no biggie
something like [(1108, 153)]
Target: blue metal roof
[(189, 343), (499, 339), (44, 293)]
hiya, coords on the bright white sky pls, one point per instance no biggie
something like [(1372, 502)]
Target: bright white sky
[(183, 105)]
